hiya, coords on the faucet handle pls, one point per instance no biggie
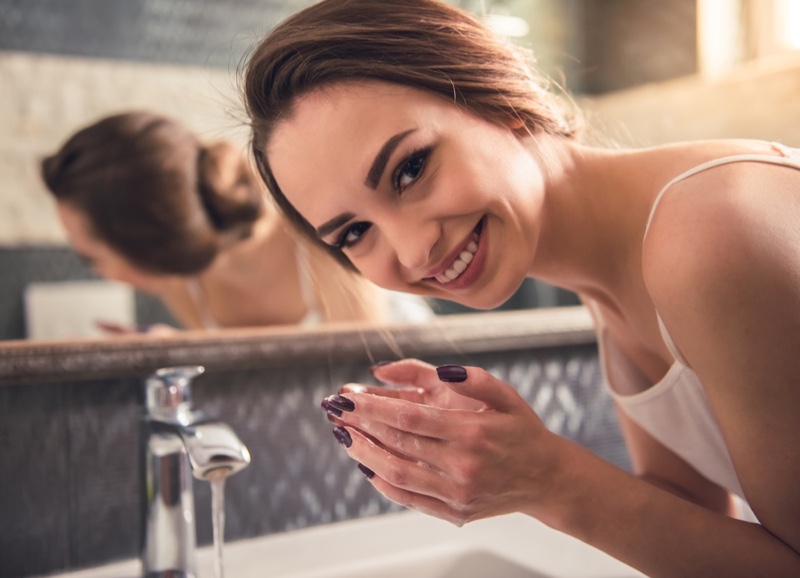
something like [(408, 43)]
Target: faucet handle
[(168, 391)]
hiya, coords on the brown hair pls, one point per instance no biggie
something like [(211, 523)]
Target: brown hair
[(425, 44), (154, 193)]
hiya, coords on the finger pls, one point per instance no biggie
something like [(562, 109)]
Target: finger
[(415, 447), (159, 329), (364, 409), (113, 328), (419, 502), (407, 372), (401, 392), (396, 470), (479, 384)]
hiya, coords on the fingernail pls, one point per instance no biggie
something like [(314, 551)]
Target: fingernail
[(342, 436), (330, 409), (366, 471), (340, 403), (379, 364), (451, 373)]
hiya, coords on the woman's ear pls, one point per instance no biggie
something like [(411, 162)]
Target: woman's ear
[(517, 125)]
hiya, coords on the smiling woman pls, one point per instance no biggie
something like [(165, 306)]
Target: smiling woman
[(444, 167)]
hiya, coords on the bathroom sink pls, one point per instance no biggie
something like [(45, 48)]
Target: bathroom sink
[(401, 545)]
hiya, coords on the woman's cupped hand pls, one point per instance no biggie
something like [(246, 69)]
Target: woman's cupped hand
[(453, 442)]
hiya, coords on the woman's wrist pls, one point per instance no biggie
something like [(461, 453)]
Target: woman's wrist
[(570, 487)]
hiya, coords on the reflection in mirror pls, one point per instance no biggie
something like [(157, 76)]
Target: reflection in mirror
[(65, 72), (65, 66)]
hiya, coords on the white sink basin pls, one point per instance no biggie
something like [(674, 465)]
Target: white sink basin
[(403, 545)]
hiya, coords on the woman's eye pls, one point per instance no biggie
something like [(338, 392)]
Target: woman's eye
[(352, 234), (410, 169)]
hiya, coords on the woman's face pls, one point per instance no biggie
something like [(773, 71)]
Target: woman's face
[(420, 195), (104, 260)]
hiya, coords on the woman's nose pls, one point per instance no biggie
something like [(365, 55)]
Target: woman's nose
[(413, 243)]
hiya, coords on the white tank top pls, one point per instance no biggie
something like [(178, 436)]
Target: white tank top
[(679, 398)]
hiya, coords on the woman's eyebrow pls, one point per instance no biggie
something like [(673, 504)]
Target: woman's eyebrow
[(379, 164), (373, 178), (330, 226)]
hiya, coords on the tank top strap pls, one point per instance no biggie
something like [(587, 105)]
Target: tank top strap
[(198, 298), (787, 151), (789, 157)]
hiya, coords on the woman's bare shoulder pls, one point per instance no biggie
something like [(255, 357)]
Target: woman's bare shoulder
[(720, 225)]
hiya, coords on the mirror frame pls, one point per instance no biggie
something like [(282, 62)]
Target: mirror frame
[(25, 363)]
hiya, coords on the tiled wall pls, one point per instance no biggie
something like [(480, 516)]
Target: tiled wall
[(69, 478)]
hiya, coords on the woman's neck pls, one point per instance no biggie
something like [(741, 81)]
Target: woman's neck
[(263, 254), (593, 222)]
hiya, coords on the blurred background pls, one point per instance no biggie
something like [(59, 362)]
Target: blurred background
[(644, 72)]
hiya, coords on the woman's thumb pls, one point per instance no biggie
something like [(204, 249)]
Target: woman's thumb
[(478, 384)]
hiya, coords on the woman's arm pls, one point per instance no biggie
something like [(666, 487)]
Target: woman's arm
[(730, 239), (463, 465), (661, 467)]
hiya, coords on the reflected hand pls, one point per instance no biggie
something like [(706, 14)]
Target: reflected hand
[(112, 328), (457, 450)]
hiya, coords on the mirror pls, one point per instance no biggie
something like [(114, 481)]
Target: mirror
[(643, 73)]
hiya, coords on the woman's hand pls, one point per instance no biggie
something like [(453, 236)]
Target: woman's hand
[(452, 442), (414, 381), (112, 328)]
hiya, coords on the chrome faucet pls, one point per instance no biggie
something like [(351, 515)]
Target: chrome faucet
[(177, 443)]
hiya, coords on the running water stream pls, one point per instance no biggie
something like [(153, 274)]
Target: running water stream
[(218, 521)]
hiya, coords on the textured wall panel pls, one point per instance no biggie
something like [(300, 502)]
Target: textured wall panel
[(70, 460)]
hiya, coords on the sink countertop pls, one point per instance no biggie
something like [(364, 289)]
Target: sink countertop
[(398, 545)]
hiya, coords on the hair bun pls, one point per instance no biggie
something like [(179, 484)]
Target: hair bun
[(229, 190)]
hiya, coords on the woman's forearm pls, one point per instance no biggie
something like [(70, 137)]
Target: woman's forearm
[(655, 531)]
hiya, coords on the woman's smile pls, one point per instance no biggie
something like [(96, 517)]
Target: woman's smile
[(464, 265)]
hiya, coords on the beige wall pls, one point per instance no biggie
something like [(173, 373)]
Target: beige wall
[(760, 100), (45, 98)]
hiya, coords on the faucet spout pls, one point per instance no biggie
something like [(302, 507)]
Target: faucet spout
[(213, 449), (179, 443)]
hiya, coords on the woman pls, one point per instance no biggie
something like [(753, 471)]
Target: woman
[(443, 167), (145, 202)]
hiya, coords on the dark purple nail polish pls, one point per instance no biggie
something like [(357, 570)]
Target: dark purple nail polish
[(342, 436), (451, 373), (366, 471), (330, 409), (340, 403)]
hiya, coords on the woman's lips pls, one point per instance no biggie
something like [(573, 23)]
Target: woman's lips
[(466, 265), (461, 263)]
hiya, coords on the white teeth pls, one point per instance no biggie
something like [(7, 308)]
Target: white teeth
[(460, 264)]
